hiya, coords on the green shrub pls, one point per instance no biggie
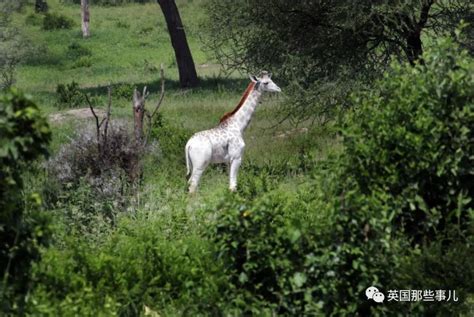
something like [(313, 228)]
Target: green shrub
[(84, 61), (33, 19), (308, 254), (404, 177), (412, 137), (171, 138), (123, 90), (122, 24), (53, 21), (134, 267), (68, 96), (76, 50), (24, 136)]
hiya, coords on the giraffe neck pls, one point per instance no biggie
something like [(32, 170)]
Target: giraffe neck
[(242, 117)]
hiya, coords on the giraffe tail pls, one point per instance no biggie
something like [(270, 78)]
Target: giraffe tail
[(189, 164)]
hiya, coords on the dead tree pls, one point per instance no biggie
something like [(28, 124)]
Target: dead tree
[(101, 135), (139, 110), (85, 18), (187, 70)]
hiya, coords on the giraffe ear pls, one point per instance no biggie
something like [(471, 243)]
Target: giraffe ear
[(269, 75), (253, 78)]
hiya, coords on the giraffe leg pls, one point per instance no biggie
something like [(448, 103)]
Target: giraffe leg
[(234, 170), (199, 155), (194, 179)]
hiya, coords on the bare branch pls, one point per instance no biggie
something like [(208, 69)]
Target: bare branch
[(160, 100), (107, 115), (162, 94), (97, 124)]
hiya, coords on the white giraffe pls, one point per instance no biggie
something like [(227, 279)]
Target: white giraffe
[(225, 143)]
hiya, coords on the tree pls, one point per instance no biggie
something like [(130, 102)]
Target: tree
[(24, 136), (187, 71), (85, 18), (323, 48)]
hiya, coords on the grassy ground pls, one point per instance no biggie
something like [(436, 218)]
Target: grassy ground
[(127, 45)]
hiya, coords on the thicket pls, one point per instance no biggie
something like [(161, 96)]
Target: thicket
[(394, 210), (54, 21), (24, 137), (403, 186), (69, 96)]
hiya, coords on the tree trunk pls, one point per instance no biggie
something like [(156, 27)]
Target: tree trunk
[(138, 113), (41, 6), (414, 47), (85, 18), (184, 59)]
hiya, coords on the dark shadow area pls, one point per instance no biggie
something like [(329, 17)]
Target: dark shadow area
[(208, 84)]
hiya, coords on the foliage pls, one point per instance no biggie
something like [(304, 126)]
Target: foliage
[(324, 49), (172, 139), (69, 96), (84, 61), (151, 271), (411, 138), (312, 232), (76, 50), (124, 91), (54, 21), (402, 183), (13, 46), (24, 135), (34, 19), (105, 171)]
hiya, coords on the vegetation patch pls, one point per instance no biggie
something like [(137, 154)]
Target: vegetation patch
[(54, 21)]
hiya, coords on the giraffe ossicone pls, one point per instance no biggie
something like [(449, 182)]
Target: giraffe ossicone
[(225, 143)]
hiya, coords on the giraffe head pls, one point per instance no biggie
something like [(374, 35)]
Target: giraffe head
[(264, 82)]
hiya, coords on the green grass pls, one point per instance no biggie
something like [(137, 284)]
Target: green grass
[(127, 45)]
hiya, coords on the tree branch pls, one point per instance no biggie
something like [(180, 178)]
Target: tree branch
[(107, 115), (158, 105), (97, 124)]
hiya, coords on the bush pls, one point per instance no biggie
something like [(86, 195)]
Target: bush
[(124, 91), (84, 61), (172, 139), (69, 96), (397, 201), (76, 50), (24, 136), (412, 137), (106, 175), (151, 271), (33, 19), (53, 21)]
